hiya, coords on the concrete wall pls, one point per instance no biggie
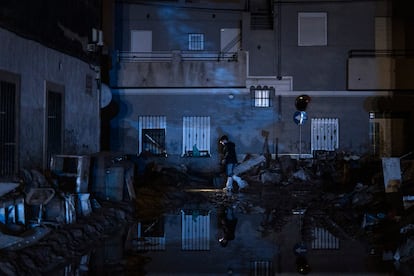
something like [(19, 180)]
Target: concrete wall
[(171, 25), (318, 71), (323, 68), (37, 65), (239, 120), (181, 73), (273, 52)]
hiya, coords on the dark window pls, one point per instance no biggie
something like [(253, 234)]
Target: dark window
[(54, 124), (153, 141), (8, 151)]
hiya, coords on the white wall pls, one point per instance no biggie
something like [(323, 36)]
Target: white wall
[(37, 65)]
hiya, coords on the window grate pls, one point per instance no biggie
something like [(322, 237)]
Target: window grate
[(153, 140), (151, 235), (196, 136), (323, 239), (262, 96), (261, 268), (196, 42), (8, 151), (54, 124), (152, 132), (324, 134), (195, 231)]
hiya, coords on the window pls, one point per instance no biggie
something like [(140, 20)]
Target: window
[(312, 29), (261, 96), (324, 134), (374, 134), (54, 128), (196, 136), (196, 42), (152, 131), (151, 235), (9, 85), (386, 130), (195, 230), (153, 140)]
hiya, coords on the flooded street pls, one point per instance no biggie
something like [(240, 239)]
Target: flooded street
[(112, 256), (184, 224)]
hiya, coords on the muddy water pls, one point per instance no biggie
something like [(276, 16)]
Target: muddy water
[(115, 255)]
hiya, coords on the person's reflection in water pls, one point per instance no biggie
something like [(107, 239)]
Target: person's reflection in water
[(227, 222)]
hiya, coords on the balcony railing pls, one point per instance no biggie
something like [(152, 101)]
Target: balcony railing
[(167, 56), (382, 53), (180, 69)]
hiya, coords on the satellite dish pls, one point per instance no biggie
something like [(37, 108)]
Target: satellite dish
[(106, 95)]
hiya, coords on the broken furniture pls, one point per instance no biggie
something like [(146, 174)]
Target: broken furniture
[(11, 205), (112, 177), (72, 173), (39, 197)]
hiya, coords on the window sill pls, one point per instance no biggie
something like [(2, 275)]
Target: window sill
[(202, 153)]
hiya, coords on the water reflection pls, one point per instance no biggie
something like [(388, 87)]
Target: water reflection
[(226, 224), (183, 243), (118, 254)]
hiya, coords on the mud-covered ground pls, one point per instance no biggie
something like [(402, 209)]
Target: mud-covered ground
[(332, 193)]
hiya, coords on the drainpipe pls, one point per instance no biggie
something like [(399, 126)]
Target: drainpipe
[(278, 30)]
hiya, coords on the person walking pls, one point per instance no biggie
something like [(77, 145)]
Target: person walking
[(229, 160)]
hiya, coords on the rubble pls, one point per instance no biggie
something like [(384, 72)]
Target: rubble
[(330, 189)]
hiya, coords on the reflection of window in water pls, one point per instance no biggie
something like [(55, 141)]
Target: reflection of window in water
[(153, 228), (195, 231), (151, 235)]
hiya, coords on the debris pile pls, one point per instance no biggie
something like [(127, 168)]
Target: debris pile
[(341, 193)]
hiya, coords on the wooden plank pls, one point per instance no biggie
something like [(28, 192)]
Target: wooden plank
[(129, 181)]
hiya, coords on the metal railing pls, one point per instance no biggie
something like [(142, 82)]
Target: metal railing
[(409, 53), (168, 56)]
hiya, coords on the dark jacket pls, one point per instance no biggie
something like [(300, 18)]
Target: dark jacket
[(229, 152)]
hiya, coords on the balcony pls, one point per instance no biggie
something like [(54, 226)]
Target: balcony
[(179, 69), (380, 70)]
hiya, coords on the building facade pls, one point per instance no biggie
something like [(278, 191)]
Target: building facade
[(186, 72), (49, 84), (182, 73)]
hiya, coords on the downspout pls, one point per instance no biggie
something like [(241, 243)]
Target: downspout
[(278, 31), (278, 61)]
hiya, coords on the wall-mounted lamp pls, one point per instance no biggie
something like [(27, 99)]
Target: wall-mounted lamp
[(231, 96)]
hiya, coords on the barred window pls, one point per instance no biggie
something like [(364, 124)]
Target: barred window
[(261, 96), (152, 134), (324, 134), (196, 136), (196, 42)]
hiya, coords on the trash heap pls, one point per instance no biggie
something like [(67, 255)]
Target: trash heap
[(341, 193)]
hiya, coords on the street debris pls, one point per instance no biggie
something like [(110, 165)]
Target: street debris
[(342, 194)]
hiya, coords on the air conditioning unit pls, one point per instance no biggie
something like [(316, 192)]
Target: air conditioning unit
[(91, 47)]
